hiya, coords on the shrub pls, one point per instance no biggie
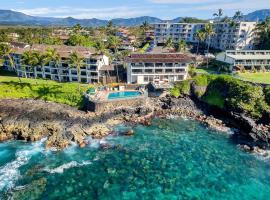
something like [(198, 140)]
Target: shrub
[(175, 92), (203, 80), (192, 70), (184, 87), (235, 95), (267, 94)]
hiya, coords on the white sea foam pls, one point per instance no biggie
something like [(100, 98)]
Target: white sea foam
[(9, 173), (71, 150), (170, 116), (94, 143), (69, 165), (263, 155)]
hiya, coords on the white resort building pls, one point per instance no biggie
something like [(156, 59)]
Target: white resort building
[(246, 58), (239, 36), (157, 68), (91, 72), (176, 31)]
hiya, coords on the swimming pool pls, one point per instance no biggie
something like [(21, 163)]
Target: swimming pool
[(122, 95)]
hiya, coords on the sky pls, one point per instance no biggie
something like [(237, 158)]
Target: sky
[(109, 9)]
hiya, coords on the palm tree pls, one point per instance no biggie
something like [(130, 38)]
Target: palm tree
[(29, 60), (145, 26), (25, 61), (77, 28), (181, 46), (209, 31), (52, 55), (110, 24), (169, 43), (124, 54), (102, 50), (201, 36), (238, 16), (5, 53), (77, 62), (41, 59), (114, 43), (218, 14), (110, 29), (262, 30)]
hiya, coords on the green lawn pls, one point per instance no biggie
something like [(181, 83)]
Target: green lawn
[(205, 71), (67, 93), (259, 77)]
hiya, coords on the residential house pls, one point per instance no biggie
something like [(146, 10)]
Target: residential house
[(157, 68), (248, 59)]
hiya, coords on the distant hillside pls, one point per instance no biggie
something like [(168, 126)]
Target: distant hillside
[(8, 17), (17, 18), (258, 15)]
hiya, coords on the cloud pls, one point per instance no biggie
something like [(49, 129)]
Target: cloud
[(242, 5), (86, 13), (183, 1)]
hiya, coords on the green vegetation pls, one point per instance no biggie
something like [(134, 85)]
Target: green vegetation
[(192, 20), (228, 93), (267, 94), (181, 88), (214, 98), (202, 80), (80, 40), (145, 47), (258, 77), (263, 32), (66, 93)]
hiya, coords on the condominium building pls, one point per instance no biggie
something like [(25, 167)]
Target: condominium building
[(90, 72), (157, 68), (228, 36), (238, 36), (176, 31), (246, 58)]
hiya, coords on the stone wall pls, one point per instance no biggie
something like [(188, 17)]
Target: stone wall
[(100, 107)]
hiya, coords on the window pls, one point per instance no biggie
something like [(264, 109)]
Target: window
[(159, 71), (148, 71), (149, 64), (169, 64), (179, 70), (169, 71), (145, 79), (137, 71), (159, 64)]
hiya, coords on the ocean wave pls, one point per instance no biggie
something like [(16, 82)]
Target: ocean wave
[(69, 165), (9, 173)]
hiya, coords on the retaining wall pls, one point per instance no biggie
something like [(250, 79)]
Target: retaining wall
[(111, 105)]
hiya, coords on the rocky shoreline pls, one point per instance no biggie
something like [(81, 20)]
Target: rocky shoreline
[(32, 120)]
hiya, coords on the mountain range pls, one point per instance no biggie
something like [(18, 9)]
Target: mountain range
[(9, 17)]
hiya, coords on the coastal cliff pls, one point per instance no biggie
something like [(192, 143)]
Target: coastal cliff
[(32, 120)]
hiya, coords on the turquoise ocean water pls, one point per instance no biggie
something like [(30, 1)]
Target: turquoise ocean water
[(172, 159)]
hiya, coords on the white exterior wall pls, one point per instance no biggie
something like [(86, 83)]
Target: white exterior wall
[(89, 73), (240, 37), (176, 31), (246, 58), (164, 73)]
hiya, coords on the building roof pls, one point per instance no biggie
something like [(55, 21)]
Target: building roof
[(160, 58), (63, 50), (249, 55)]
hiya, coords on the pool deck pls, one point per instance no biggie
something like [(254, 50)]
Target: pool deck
[(100, 102), (102, 96)]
